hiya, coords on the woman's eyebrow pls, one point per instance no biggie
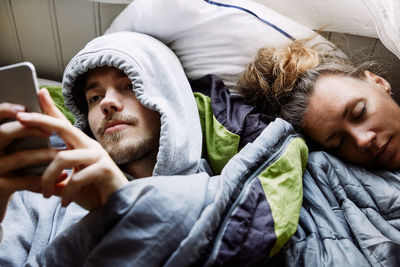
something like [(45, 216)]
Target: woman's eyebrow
[(346, 110), (329, 138)]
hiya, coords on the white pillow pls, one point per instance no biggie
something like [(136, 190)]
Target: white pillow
[(211, 37)]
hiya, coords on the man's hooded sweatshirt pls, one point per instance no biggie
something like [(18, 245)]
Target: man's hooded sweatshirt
[(181, 216)]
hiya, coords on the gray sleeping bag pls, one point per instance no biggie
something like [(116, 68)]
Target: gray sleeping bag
[(350, 216)]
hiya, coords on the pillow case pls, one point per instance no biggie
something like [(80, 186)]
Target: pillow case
[(211, 37)]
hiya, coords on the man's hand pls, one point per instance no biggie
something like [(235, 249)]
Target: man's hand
[(9, 131), (94, 175)]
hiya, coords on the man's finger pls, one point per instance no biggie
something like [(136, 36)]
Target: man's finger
[(12, 184), (8, 110), (25, 159), (70, 134), (66, 159), (48, 106), (14, 130)]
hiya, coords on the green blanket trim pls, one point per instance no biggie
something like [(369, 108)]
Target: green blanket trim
[(57, 96), (283, 187), (219, 144)]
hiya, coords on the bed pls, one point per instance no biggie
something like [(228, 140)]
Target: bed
[(349, 215)]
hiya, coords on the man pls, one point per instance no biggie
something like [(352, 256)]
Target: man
[(131, 93)]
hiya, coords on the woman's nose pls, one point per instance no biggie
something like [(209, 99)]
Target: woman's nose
[(363, 139), (110, 103)]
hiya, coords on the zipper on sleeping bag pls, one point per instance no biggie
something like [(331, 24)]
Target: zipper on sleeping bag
[(264, 165)]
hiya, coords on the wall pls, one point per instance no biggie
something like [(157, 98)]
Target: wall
[(362, 48), (49, 32)]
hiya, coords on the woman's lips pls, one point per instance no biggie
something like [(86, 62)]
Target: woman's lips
[(385, 152)]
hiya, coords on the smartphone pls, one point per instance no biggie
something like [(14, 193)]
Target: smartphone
[(19, 85)]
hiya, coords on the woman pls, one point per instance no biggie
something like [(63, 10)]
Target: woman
[(347, 110)]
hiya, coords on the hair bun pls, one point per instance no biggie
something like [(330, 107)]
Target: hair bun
[(292, 61), (274, 72)]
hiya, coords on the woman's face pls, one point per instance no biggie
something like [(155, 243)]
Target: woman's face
[(356, 119)]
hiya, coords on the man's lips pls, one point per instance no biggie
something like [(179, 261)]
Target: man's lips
[(115, 126)]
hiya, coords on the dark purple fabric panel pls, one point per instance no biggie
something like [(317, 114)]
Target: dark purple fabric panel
[(250, 231), (231, 110)]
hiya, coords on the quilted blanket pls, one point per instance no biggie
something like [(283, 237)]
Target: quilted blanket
[(350, 216)]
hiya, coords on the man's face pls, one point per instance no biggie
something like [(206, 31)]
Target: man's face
[(355, 119), (121, 124)]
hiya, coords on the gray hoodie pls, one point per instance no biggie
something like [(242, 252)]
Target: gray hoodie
[(159, 83), (32, 222)]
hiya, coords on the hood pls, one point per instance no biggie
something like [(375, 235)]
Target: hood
[(159, 83)]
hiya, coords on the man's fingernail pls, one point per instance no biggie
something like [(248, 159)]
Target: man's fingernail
[(18, 108), (23, 115)]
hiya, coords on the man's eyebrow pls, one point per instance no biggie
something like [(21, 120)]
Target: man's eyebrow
[(121, 74), (90, 86)]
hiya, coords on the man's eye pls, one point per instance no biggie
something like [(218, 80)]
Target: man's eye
[(94, 99), (130, 86)]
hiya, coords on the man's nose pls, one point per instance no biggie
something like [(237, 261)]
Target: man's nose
[(363, 138), (110, 102)]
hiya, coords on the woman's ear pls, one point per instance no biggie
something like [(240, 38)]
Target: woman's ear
[(377, 80)]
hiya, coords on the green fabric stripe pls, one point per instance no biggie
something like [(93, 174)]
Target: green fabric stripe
[(57, 96), (219, 144), (283, 188)]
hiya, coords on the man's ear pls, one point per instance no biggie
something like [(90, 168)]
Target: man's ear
[(377, 80)]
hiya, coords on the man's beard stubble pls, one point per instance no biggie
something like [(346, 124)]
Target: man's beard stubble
[(134, 152), (131, 152)]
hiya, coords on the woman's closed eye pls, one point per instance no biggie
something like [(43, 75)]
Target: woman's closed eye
[(358, 110)]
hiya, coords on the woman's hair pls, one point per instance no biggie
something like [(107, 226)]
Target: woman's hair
[(280, 81)]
